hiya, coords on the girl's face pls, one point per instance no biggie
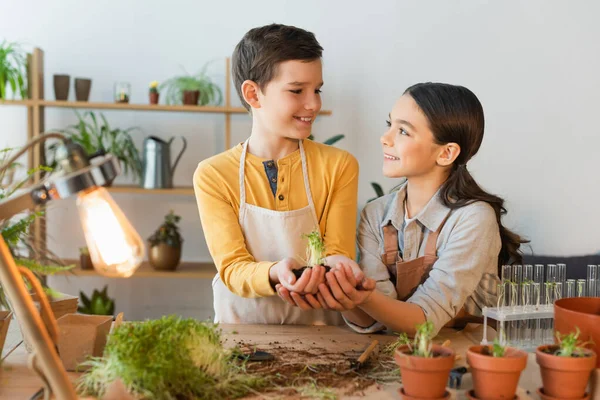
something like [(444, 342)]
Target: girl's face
[(409, 149)]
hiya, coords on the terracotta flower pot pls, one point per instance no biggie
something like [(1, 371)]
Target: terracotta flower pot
[(582, 313), (496, 378), (154, 97), (564, 377), (544, 396), (81, 336), (85, 262), (5, 317), (82, 89), (164, 257), (425, 378), (190, 97), (61, 86)]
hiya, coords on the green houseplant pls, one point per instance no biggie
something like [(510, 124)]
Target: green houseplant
[(424, 366), (16, 231), (13, 70), (98, 304), (165, 244), (189, 89), (98, 136), (496, 369), (169, 358), (566, 367)]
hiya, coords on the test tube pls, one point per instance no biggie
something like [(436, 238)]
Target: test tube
[(538, 276), (506, 277), (528, 273), (517, 280), (581, 287), (515, 326), (551, 273), (562, 276), (526, 325), (592, 274), (536, 335), (570, 290)]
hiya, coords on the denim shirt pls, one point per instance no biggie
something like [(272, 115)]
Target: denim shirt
[(466, 272)]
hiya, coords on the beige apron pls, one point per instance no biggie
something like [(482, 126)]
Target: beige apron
[(271, 236), (408, 275)]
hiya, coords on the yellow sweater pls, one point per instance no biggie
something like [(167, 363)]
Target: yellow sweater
[(333, 178)]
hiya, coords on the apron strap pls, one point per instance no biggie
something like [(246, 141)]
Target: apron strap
[(390, 245), (242, 184), (307, 185), (431, 244)]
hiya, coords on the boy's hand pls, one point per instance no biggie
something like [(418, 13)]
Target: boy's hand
[(342, 291), (281, 273), (305, 302)]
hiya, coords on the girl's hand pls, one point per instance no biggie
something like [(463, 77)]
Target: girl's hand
[(339, 261), (343, 292)]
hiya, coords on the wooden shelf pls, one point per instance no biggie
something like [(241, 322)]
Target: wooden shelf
[(185, 191), (142, 107), (27, 102), (197, 270), (127, 106)]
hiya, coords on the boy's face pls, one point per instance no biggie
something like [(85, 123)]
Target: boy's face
[(291, 101)]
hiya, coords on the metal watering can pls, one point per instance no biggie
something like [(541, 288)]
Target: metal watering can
[(157, 172)]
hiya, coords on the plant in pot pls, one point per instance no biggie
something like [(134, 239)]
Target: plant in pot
[(13, 70), (495, 369), (165, 244), (98, 304), (424, 366), (85, 261), (99, 137), (189, 89), (315, 253), (153, 93), (566, 367)]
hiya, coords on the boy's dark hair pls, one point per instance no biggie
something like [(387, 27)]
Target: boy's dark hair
[(260, 51)]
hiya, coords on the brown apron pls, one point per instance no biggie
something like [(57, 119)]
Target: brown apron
[(408, 275)]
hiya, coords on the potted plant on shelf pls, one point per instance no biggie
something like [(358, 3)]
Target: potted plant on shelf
[(424, 366), (98, 304), (165, 244), (154, 92), (566, 367), (189, 89), (95, 137), (13, 70), (85, 261), (496, 370)]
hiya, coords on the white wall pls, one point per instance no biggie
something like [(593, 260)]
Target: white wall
[(535, 66)]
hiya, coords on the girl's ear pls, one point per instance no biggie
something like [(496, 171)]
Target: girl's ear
[(448, 154), (250, 92)]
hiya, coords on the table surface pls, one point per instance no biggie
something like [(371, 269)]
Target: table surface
[(18, 382)]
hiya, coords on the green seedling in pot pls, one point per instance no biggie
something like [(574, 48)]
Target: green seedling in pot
[(315, 253)]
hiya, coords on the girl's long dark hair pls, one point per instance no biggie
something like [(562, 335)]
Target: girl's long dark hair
[(455, 115)]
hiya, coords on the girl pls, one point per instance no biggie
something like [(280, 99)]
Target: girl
[(432, 249)]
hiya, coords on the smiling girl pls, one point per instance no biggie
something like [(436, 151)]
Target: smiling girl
[(432, 249)]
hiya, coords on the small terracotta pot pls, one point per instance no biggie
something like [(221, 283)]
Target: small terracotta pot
[(496, 378), (544, 396), (190, 97), (404, 396), (82, 89), (425, 378), (61, 87), (565, 377), (5, 317), (582, 313), (85, 262), (164, 257), (154, 97)]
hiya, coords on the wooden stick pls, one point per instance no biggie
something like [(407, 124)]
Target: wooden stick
[(363, 357)]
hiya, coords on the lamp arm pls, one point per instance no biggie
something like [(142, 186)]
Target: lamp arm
[(30, 144)]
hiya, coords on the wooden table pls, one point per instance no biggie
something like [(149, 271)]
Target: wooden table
[(18, 382)]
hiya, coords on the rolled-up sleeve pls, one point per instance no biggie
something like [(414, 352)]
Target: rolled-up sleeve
[(369, 239), (470, 252)]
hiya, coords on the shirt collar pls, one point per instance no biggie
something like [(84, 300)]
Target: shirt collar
[(431, 216)]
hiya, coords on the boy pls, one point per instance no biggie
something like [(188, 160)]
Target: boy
[(257, 199)]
